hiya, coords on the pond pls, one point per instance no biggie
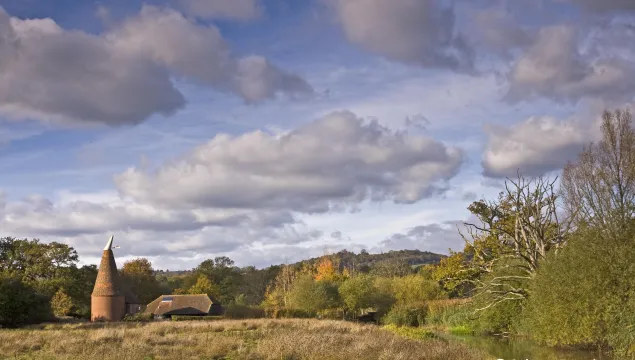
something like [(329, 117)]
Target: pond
[(521, 349)]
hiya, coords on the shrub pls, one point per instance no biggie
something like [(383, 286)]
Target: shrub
[(413, 314), (243, 312), (452, 312), (21, 305), (61, 303), (410, 332), (140, 317)]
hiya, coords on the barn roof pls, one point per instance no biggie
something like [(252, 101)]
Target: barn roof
[(181, 305), (107, 283)]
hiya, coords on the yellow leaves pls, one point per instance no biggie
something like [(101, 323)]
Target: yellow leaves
[(328, 269)]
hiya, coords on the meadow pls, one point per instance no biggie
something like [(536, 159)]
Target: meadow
[(223, 339)]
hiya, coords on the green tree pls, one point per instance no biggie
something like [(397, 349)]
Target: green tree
[(20, 304), (61, 303), (358, 293), (416, 289), (312, 296)]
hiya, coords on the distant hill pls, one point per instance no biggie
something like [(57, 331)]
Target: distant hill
[(363, 260), (366, 260)]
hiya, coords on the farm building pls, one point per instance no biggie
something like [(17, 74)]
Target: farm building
[(194, 305), (110, 300)]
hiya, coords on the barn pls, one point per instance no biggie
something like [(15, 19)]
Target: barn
[(166, 306)]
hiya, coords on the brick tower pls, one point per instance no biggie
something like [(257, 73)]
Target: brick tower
[(107, 303)]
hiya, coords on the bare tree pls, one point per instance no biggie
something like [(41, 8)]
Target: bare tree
[(599, 188), (516, 232)]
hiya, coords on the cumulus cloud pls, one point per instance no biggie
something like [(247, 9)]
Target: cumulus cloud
[(199, 53), (554, 67), (335, 161), (437, 238), (41, 216), (222, 9), (50, 73), (412, 31), (535, 146), (123, 76)]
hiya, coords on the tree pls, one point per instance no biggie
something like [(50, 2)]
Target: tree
[(416, 289), (515, 235), (358, 293), (277, 295), (204, 286), (312, 296), (138, 276), (391, 268), (599, 188), (20, 304), (61, 303)]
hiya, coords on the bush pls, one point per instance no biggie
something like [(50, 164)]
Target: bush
[(21, 305), (243, 312), (290, 314), (412, 333), (406, 315), (140, 317), (195, 318), (453, 312)]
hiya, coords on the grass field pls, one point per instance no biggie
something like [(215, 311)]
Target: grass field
[(223, 339)]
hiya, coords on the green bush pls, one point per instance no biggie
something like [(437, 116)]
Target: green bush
[(195, 318), (243, 312), (21, 305), (410, 332), (406, 315), (454, 312), (140, 317)]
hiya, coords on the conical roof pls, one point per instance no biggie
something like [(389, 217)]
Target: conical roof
[(107, 283)]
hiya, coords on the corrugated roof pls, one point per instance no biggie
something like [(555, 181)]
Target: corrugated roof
[(181, 305), (107, 283)]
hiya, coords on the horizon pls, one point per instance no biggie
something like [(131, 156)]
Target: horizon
[(284, 128)]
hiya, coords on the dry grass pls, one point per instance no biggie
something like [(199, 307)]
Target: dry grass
[(226, 339)]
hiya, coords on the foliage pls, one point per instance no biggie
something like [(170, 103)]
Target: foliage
[(61, 303), (139, 317), (359, 293), (20, 304), (415, 288), (310, 295), (408, 314), (391, 268), (449, 312), (204, 286), (409, 332), (243, 312), (599, 309), (138, 276)]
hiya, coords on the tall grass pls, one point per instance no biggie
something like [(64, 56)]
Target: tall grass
[(223, 339)]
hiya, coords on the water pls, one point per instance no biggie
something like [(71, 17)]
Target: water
[(519, 349)]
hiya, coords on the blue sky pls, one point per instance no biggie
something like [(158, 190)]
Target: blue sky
[(274, 130)]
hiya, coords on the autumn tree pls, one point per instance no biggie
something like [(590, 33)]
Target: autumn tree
[(204, 286), (138, 276), (277, 294), (61, 303)]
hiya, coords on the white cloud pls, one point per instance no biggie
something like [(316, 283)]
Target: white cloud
[(335, 161), (417, 32), (123, 76), (554, 67), (536, 145), (222, 9)]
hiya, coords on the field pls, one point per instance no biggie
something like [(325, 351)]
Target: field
[(222, 339)]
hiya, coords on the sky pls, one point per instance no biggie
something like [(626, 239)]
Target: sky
[(270, 131)]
